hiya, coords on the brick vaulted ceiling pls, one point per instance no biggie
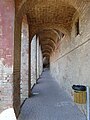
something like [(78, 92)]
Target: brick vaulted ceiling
[(46, 18)]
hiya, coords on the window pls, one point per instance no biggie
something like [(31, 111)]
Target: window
[(62, 35), (77, 27)]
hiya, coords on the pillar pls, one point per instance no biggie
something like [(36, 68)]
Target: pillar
[(41, 61), (24, 59), (17, 64), (38, 58), (33, 61), (29, 66)]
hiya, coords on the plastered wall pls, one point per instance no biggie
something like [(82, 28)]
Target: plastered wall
[(70, 62)]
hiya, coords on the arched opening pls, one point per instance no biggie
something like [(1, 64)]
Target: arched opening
[(46, 63)]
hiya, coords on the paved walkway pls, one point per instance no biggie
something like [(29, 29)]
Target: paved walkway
[(49, 102)]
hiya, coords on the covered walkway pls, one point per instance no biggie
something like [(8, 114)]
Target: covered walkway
[(49, 102)]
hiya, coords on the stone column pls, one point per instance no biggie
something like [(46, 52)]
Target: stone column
[(38, 58), (41, 61), (29, 68), (24, 59), (33, 61)]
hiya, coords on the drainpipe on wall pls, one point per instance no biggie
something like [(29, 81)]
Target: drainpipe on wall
[(88, 104)]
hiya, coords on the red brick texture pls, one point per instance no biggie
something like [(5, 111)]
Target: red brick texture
[(7, 14)]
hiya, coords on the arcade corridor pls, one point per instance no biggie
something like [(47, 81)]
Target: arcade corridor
[(49, 102), (38, 34)]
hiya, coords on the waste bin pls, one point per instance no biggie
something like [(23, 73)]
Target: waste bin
[(79, 94)]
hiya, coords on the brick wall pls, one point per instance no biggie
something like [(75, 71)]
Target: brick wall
[(6, 53), (17, 66), (70, 62)]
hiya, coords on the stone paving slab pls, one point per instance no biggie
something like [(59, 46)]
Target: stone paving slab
[(49, 102)]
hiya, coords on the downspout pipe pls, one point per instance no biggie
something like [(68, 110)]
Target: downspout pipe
[(88, 104)]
